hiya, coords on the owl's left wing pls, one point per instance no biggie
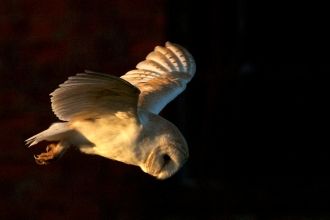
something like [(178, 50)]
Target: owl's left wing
[(91, 95), (162, 76)]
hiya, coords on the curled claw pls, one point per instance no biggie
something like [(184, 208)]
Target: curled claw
[(39, 160), (47, 157)]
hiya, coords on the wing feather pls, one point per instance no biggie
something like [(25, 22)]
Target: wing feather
[(90, 95), (170, 55), (161, 59), (162, 76)]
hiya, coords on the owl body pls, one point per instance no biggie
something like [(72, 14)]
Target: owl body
[(112, 138), (117, 118), (124, 140)]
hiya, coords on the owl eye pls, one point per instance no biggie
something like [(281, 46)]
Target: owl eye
[(166, 158)]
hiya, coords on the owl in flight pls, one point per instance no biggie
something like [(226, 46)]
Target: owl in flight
[(117, 118)]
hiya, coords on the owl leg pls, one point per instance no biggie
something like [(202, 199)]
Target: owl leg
[(53, 152)]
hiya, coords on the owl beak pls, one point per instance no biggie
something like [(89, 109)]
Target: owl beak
[(164, 161)]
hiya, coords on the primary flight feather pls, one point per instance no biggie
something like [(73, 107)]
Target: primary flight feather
[(117, 118)]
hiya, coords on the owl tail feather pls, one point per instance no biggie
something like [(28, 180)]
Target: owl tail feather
[(56, 132)]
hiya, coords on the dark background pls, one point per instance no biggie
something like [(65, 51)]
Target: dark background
[(255, 116)]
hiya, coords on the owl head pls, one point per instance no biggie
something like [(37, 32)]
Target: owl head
[(166, 160)]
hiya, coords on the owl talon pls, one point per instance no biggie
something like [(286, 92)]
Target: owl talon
[(47, 157)]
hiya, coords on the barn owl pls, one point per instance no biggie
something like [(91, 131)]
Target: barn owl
[(117, 118)]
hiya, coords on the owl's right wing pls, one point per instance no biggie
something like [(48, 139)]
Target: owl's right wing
[(162, 76)]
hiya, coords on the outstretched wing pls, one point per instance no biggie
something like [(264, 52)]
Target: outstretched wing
[(91, 95), (162, 76)]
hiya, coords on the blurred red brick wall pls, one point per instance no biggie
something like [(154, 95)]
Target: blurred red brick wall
[(41, 44)]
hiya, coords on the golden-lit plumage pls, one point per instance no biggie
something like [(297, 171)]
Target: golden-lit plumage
[(117, 118)]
